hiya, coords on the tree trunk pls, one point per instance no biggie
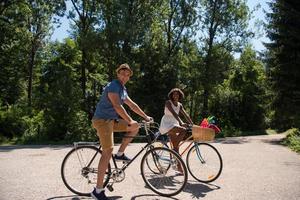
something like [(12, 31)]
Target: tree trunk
[(30, 75), (83, 75)]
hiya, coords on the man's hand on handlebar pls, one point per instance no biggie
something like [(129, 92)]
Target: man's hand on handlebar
[(149, 119)]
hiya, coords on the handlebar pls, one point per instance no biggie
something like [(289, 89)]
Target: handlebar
[(145, 124)]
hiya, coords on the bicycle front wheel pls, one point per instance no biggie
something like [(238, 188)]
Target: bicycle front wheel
[(166, 180), (154, 168), (79, 170), (204, 162)]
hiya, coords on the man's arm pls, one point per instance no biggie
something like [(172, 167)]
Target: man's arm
[(114, 99), (135, 108)]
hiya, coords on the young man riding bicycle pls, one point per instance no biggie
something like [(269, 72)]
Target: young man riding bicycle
[(107, 120)]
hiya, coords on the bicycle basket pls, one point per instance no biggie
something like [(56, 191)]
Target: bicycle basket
[(202, 134)]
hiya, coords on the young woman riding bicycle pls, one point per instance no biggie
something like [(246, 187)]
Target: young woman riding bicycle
[(171, 123)]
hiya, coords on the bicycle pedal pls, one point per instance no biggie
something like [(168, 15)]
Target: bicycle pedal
[(110, 188)]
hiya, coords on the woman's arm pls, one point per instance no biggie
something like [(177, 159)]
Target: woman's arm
[(186, 116)]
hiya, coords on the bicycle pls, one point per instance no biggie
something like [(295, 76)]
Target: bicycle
[(80, 165), (203, 160)]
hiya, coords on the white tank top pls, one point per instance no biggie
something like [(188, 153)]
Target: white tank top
[(175, 108)]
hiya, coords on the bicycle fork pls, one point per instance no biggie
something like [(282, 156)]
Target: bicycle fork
[(199, 154)]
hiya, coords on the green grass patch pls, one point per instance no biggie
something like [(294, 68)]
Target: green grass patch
[(292, 139)]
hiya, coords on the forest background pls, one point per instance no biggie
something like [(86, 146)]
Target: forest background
[(49, 89)]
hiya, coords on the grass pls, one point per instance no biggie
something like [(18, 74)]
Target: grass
[(292, 139)]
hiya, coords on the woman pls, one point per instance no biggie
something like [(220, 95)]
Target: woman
[(171, 123)]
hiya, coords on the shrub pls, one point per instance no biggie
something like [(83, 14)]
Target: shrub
[(11, 122), (293, 139)]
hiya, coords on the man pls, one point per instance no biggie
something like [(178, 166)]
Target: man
[(106, 121)]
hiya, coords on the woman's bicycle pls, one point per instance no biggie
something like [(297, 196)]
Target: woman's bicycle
[(203, 160), (80, 166)]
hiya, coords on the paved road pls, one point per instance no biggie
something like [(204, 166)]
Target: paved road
[(256, 167)]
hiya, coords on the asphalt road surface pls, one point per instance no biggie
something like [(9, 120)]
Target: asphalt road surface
[(256, 167)]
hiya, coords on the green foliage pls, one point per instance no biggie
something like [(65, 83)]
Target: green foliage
[(80, 129), (13, 45), (283, 63), (11, 122), (59, 91), (240, 99), (223, 27), (35, 129), (62, 81), (293, 139)]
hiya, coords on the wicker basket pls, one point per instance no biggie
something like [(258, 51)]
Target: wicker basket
[(202, 134)]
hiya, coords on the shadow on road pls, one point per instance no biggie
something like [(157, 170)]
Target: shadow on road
[(75, 197), (274, 141), (69, 197), (196, 189), (235, 140), (153, 196), (17, 147), (199, 190)]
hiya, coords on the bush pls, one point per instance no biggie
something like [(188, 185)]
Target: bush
[(229, 131), (80, 128), (293, 139), (35, 129), (11, 122)]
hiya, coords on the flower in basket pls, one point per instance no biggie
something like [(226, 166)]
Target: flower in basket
[(210, 122)]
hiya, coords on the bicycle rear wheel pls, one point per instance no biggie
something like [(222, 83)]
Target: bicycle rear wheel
[(204, 162), (168, 181), (79, 170)]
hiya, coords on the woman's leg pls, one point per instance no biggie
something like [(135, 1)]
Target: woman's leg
[(176, 135)]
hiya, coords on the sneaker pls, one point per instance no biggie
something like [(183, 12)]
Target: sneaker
[(99, 196), (122, 158)]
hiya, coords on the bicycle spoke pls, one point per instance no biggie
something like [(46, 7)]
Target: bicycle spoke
[(204, 162), (79, 169), (166, 180)]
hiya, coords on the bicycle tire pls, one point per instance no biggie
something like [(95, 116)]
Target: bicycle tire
[(83, 173), (168, 182), (155, 169), (204, 162)]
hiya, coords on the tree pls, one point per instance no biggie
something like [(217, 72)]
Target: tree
[(283, 62), (86, 15), (240, 101), (59, 90), (223, 23), (12, 48), (38, 24)]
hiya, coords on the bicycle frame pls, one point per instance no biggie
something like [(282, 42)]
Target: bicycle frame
[(189, 139), (192, 142), (160, 159), (149, 143)]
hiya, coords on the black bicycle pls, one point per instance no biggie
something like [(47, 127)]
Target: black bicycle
[(80, 166)]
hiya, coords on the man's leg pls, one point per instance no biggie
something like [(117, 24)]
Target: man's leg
[(131, 130), (105, 133), (102, 166)]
